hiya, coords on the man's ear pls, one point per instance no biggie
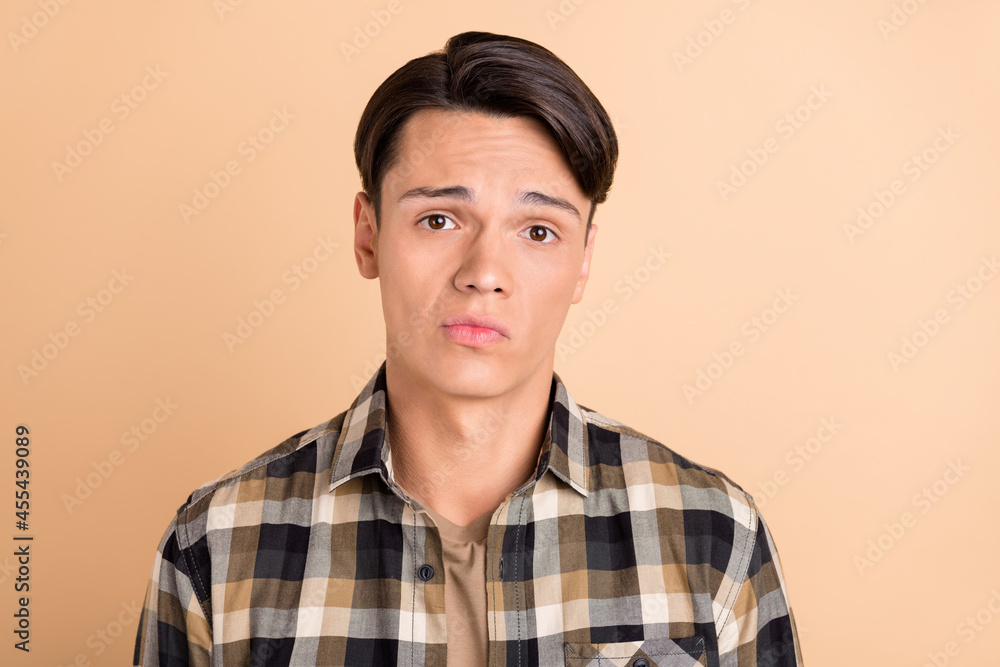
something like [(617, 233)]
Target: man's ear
[(365, 236), (588, 252)]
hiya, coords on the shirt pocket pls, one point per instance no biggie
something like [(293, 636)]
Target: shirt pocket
[(677, 652)]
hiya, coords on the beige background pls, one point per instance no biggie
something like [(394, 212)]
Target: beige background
[(885, 82)]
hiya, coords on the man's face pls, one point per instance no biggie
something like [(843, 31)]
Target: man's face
[(480, 217)]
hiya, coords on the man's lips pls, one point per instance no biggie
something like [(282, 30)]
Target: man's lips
[(472, 321), (475, 330)]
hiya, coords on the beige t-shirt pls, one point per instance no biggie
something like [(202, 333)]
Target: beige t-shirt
[(464, 554)]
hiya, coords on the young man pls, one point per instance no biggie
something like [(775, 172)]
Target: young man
[(465, 510)]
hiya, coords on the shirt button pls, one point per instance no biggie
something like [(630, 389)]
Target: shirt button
[(641, 662), (425, 572)]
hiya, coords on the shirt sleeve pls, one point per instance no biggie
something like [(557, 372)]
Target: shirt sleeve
[(173, 629), (760, 630)]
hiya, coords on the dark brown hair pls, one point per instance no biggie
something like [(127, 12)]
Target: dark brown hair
[(499, 76)]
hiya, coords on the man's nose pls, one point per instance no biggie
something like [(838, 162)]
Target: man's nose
[(484, 265)]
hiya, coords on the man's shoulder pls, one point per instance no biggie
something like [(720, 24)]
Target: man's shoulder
[(298, 452), (659, 464)]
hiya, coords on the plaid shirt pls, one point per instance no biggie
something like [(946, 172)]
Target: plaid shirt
[(618, 551)]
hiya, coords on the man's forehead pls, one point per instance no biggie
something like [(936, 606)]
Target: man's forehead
[(425, 129), (430, 132), (447, 119)]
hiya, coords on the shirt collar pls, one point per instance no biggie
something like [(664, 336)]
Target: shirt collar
[(361, 447)]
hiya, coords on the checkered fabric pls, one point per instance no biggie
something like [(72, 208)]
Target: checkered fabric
[(618, 551)]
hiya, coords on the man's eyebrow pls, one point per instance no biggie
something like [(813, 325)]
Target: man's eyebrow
[(542, 199), (460, 192), (451, 192)]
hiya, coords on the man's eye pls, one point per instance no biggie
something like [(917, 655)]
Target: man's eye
[(437, 221), (541, 234)]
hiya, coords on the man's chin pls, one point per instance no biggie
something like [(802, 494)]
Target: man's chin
[(478, 378), (458, 372)]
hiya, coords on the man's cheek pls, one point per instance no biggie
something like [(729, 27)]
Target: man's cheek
[(416, 320)]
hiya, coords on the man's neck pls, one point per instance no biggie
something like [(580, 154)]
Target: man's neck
[(462, 456)]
